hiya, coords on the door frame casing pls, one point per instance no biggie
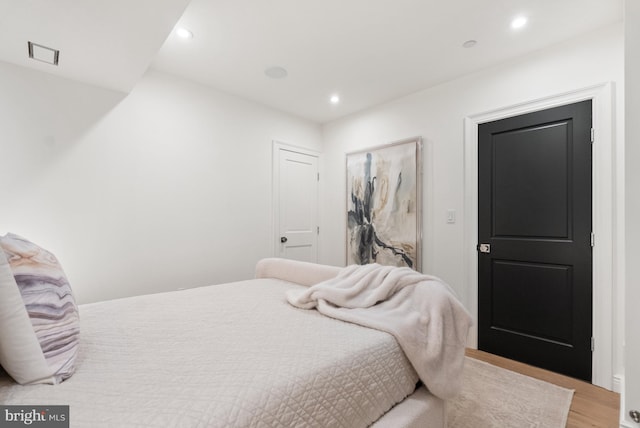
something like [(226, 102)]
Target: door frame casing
[(277, 146), (602, 210)]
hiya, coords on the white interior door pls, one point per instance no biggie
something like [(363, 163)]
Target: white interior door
[(296, 204)]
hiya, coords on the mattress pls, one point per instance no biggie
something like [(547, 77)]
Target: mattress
[(229, 355)]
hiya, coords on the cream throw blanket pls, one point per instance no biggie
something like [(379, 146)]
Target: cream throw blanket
[(420, 311)]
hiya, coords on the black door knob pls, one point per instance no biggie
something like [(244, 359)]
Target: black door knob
[(283, 239)]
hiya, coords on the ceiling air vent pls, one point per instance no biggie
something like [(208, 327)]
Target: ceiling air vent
[(43, 53)]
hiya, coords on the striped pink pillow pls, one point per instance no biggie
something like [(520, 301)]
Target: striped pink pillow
[(38, 314)]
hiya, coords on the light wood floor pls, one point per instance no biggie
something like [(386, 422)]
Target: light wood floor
[(592, 406)]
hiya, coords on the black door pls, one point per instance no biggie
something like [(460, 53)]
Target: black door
[(534, 273)]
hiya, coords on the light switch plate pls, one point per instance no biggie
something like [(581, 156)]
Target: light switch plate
[(451, 216)]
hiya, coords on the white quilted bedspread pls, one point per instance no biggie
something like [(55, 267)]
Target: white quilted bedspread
[(231, 355)]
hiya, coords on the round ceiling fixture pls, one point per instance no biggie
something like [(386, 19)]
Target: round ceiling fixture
[(335, 99), (276, 72), (519, 22), (183, 33), (469, 43)]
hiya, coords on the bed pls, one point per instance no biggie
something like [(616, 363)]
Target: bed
[(234, 355)]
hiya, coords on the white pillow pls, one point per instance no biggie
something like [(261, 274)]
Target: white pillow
[(303, 273), (38, 314)]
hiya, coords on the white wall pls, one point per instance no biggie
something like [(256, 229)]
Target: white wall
[(631, 394), (167, 187), (437, 115)]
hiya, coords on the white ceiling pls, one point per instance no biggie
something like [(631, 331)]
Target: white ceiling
[(368, 51)]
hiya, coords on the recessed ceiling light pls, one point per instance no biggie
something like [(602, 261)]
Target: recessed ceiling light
[(519, 22), (469, 44), (183, 33), (276, 72), (335, 99)]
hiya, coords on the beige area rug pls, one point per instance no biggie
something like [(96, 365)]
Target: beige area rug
[(493, 397)]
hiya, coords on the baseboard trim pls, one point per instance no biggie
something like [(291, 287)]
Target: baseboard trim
[(617, 383), (624, 422)]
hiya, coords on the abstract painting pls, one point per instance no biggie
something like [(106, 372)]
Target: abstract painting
[(384, 198)]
